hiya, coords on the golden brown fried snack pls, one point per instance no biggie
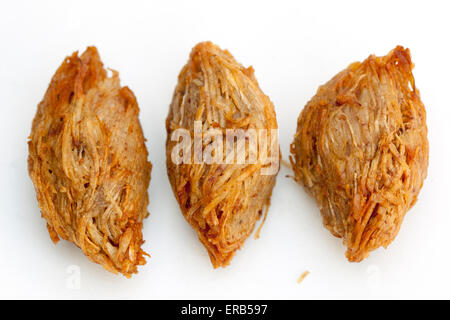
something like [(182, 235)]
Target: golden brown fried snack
[(221, 201), (88, 162), (361, 150)]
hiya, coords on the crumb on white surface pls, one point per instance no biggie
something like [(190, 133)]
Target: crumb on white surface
[(303, 276)]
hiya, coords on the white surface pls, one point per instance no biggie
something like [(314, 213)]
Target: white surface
[(294, 48)]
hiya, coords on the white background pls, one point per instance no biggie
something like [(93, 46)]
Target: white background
[(294, 47)]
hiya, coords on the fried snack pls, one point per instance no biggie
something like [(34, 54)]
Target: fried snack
[(88, 162), (361, 150), (221, 201)]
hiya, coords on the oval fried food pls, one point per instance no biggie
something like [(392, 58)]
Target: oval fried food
[(88, 162), (221, 201), (361, 150)]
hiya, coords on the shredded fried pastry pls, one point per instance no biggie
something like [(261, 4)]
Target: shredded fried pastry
[(222, 202), (88, 162), (361, 150)]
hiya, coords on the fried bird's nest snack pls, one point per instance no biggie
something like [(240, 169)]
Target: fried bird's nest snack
[(88, 162), (361, 150), (221, 201)]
